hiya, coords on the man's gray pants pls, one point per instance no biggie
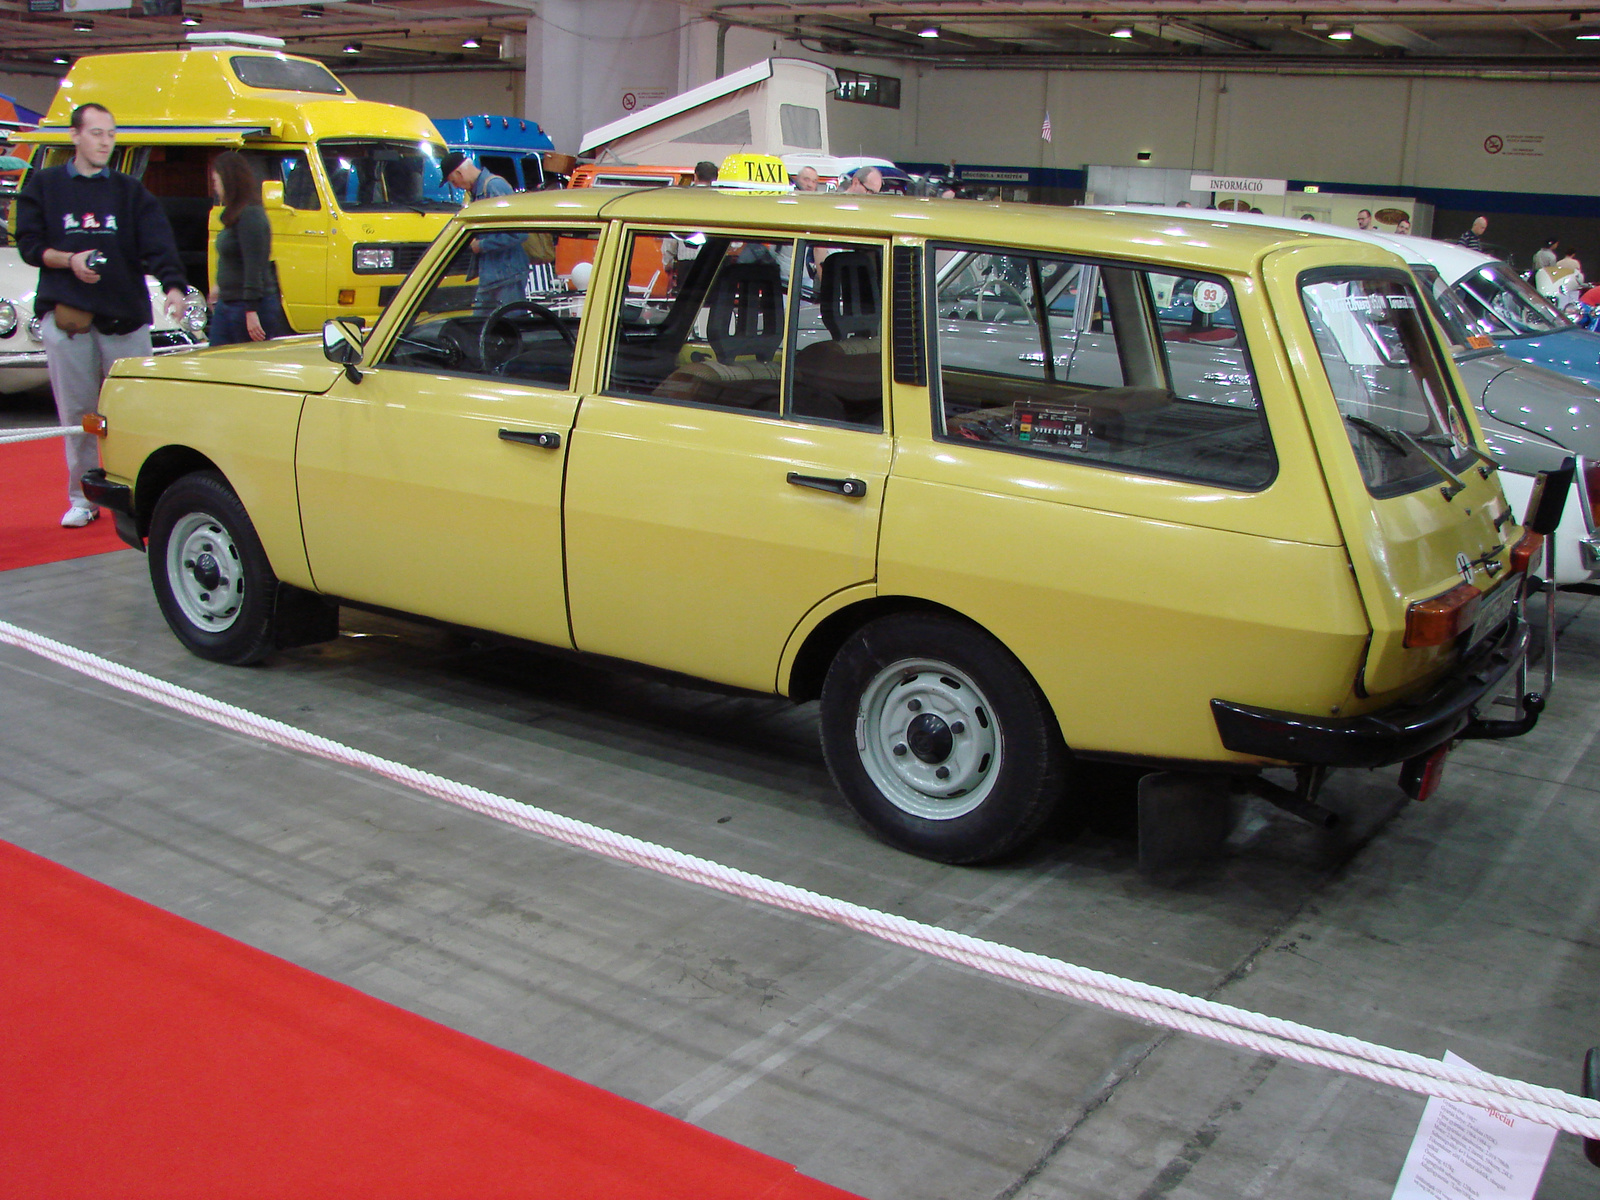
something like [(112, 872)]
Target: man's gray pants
[(78, 365)]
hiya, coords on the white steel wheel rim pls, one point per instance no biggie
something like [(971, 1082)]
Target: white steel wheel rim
[(928, 739), (205, 572)]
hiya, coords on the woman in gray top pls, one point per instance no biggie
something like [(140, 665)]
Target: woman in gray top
[(244, 250)]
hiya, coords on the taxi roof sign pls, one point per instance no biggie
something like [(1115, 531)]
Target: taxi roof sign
[(754, 173)]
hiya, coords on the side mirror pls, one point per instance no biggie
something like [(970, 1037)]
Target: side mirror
[(341, 343), (272, 196), (1549, 497)]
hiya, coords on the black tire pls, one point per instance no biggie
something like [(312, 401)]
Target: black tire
[(211, 576), (929, 692)]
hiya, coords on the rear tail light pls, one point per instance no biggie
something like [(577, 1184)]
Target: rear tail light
[(1591, 490), (1439, 620), (1525, 554), (1420, 776)]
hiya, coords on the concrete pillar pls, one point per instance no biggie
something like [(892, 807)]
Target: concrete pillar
[(587, 57)]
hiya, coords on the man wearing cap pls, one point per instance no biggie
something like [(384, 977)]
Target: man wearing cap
[(500, 260)]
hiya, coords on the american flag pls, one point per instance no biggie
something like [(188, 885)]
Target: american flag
[(1044, 131)]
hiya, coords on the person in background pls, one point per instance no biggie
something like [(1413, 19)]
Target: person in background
[(705, 174), (806, 179), (1545, 256), (1403, 225), (868, 180), (1307, 217), (1364, 219), (92, 315), (501, 262), (1472, 239), (244, 250)]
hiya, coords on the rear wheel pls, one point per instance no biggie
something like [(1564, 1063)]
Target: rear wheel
[(211, 576), (939, 739)]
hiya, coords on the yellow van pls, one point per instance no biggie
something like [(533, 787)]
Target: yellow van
[(1008, 489), (350, 185)]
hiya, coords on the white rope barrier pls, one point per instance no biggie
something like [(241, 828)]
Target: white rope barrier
[(36, 435), (1156, 1005)]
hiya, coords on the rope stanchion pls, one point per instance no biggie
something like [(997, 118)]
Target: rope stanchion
[(1155, 1005), (36, 435)]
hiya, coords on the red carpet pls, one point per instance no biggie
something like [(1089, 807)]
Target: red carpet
[(142, 1055), (34, 478)]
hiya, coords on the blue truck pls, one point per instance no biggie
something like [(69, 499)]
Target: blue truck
[(512, 147)]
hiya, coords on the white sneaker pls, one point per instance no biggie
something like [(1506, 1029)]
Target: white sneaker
[(78, 516)]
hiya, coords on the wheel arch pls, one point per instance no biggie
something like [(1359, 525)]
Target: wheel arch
[(822, 643), (160, 471)]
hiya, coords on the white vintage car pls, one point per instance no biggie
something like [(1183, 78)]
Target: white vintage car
[(22, 352)]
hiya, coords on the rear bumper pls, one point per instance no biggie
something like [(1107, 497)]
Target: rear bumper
[(1447, 710), (118, 498)]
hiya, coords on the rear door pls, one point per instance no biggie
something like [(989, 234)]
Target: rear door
[(731, 474), (1421, 513)]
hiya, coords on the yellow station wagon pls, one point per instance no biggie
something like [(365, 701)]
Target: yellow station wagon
[(1005, 488)]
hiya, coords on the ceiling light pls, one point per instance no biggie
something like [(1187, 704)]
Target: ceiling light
[(352, 47), (190, 19), (311, 14), (1592, 35), (469, 43), (81, 25), (1122, 31), (928, 31), (1341, 35), (61, 58)]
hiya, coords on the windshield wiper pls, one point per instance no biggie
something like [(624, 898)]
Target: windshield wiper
[(1410, 443)]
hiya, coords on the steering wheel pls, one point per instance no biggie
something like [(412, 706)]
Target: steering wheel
[(504, 345)]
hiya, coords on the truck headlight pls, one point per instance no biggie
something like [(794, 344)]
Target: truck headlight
[(8, 318), (195, 313), (374, 258)]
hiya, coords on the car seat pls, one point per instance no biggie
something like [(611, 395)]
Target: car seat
[(842, 379)]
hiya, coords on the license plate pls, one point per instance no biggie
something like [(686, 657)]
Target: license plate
[(1492, 610)]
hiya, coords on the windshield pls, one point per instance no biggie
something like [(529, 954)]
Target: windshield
[(1496, 296), (367, 175), (1391, 388), (1458, 323)]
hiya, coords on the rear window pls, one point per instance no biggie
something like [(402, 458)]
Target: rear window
[(285, 74), (1497, 296), (1404, 422), (1100, 364)]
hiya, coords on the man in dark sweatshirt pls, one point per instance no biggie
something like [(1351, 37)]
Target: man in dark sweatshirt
[(66, 214)]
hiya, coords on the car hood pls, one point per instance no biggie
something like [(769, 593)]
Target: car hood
[(288, 365), (1574, 352), (1551, 406)]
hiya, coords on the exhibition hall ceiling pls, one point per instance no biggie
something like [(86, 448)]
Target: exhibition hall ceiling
[(1510, 38)]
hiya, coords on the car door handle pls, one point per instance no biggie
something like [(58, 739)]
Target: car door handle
[(853, 488), (549, 441)]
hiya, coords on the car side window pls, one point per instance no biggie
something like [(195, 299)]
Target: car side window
[(838, 338), (508, 304), (760, 324), (1097, 363)]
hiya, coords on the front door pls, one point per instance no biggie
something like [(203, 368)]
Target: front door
[(731, 477), (433, 485)]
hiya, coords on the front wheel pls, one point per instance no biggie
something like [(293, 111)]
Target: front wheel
[(939, 739), (211, 576)]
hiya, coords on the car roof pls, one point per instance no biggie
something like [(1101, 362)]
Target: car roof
[(1193, 240), (1452, 261)]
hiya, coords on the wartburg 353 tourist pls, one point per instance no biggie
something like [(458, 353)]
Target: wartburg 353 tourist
[(1007, 489)]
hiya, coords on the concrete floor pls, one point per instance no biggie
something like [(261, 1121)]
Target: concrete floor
[(1467, 923)]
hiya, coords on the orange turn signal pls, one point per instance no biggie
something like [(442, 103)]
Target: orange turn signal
[(1525, 554), (347, 295), (1440, 619), (94, 423)]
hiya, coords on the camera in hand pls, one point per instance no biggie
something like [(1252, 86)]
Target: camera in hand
[(96, 260)]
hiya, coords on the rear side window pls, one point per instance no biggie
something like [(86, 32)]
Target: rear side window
[(1404, 422), (285, 74), (1102, 364)]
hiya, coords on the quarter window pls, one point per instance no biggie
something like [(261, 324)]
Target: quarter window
[(480, 319), (766, 325), (1106, 365)]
